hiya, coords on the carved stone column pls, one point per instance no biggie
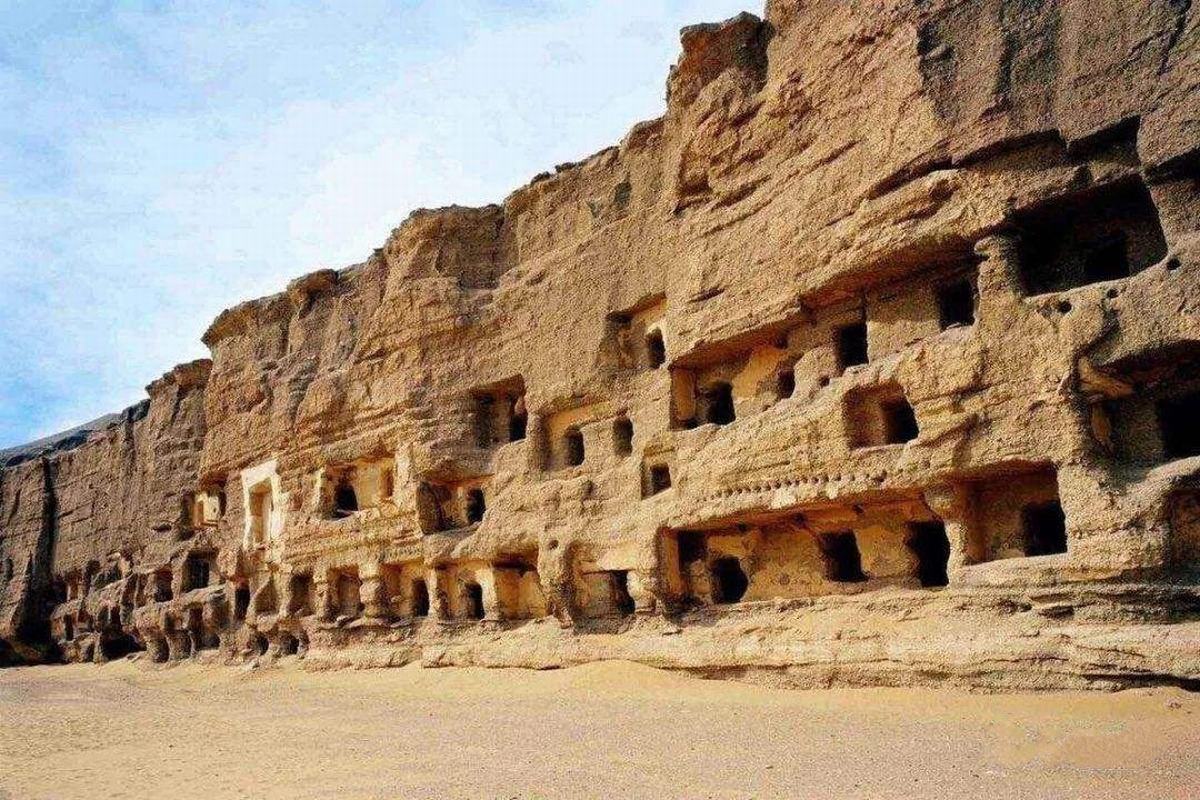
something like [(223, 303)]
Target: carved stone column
[(954, 503), (491, 599), (1000, 283), (642, 584), (372, 592), (439, 594), (324, 598)]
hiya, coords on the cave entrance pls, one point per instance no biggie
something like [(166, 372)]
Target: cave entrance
[(656, 349), (622, 436), (956, 304), (573, 447), (345, 499), (241, 602), (842, 560), (420, 598), (718, 404), (729, 580), (929, 543), (852, 345), (1105, 234), (476, 506), (899, 422), (472, 600), (1179, 422), (1045, 529)]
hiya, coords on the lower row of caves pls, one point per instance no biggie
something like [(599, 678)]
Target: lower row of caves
[(826, 549)]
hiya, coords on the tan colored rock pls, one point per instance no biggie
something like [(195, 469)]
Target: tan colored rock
[(875, 360)]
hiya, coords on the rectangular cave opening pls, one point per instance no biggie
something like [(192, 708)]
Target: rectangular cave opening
[(345, 497), (622, 436), (573, 447), (499, 413), (1044, 526), (842, 559), (449, 505), (1179, 425), (198, 570), (472, 600), (931, 546), (162, 586), (604, 593), (729, 580), (1153, 420), (880, 415), (899, 421), (716, 404), (1100, 235), (300, 592), (347, 592), (419, 594), (1014, 512), (852, 345), (476, 505), (656, 479), (518, 586), (956, 304)]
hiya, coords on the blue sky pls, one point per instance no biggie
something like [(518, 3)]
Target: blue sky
[(162, 161)]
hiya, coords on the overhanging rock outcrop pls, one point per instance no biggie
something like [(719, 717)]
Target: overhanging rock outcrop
[(875, 360)]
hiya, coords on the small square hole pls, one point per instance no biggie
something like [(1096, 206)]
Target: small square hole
[(900, 422), (852, 345), (956, 304), (658, 479)]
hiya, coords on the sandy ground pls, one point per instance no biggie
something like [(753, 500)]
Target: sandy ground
[(610, 730)]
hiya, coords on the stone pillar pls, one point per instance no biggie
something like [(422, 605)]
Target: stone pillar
[(491, 601), (324, 597), (641, 589), (954, 503), (556, 571), (1000, 283), (438, 583), (1106, 533), (372, 592), (1177, 200), (285, 595)]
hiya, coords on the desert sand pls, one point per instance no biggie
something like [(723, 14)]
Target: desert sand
[(603, 730)]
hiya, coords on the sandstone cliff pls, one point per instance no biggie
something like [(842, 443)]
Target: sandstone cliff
[(875, 359)]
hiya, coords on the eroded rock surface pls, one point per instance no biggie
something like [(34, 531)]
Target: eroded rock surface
[(876, 359)]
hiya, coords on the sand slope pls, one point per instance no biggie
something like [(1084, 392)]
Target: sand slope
[(603, 730)]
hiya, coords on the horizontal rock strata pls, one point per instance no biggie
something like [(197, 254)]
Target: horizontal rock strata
[(875, 360)]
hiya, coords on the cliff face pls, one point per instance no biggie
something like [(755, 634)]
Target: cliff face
[(876, 359), (80, 522)]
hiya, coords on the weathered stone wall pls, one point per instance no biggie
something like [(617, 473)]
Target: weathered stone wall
[(876, 359), (83, 521)]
